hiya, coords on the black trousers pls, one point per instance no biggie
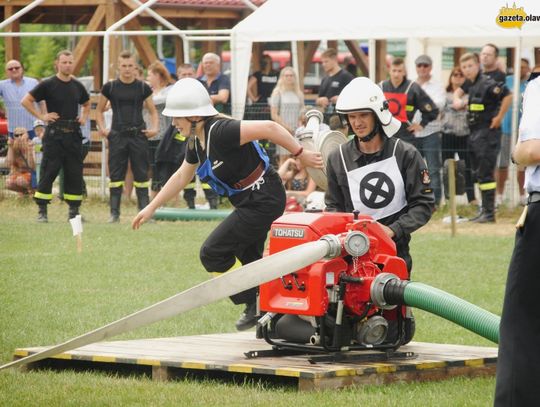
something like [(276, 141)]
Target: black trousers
[(61, 150), (243, 233), (124, 147), (518, 366), (459, 144), (484, 145)]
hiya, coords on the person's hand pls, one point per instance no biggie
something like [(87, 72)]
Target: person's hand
[(322, 101), (389, 232), (495, 122), (142, 217), (104, 132), (415, 127), (150, 133), (50, 117), (311, 159)]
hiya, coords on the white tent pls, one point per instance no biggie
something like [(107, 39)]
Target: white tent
[(432, 25)]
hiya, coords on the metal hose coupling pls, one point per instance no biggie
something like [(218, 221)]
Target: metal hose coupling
[(334, 246), (387, 290)]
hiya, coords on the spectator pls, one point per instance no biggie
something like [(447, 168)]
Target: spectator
[(185, 71), (217, 84), (456, 131), (295, 178), (488, 102), (404, 98), (333, 83), (260, 87), (488, 59), (428, 140), (286, 103), (160, 81), (501, 173), (12, 91), (128, 136), (350, 66), (21, 162), (37, 141), (62, 142)]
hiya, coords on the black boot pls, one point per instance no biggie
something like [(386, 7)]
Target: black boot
[(142, 197), (190, 202), (73, 211), (42, 214), (488, 207), (114, 201), (249, 318), (213, 203)]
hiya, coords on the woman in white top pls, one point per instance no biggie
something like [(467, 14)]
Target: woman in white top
[(286, 103), (160, 81)]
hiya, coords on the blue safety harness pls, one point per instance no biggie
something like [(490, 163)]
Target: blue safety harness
[(206, 174)]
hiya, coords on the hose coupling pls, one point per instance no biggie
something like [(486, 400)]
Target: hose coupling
[(334, 246)]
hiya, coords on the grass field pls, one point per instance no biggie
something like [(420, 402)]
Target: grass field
[(49, 293)]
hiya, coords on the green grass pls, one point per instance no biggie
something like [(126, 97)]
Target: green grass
[(49, 293)]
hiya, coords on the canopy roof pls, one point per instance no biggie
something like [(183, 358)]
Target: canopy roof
[(455, 23)]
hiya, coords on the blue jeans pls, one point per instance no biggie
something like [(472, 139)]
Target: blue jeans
[(430, 148)]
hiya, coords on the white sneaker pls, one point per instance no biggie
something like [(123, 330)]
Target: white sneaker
[(459, 219), (498, 200)]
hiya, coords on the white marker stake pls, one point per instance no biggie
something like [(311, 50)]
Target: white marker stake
[(76, 225)]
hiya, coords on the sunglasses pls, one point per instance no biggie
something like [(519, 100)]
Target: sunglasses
[(14, 68), (422, 65), (459, 75), (18, 134)]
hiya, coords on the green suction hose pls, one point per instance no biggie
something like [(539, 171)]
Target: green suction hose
[(191, 214), (443, 304)]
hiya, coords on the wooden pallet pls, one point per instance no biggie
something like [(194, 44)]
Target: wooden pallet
[(224, 354)]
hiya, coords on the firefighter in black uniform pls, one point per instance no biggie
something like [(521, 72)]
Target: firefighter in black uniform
[(404, 98), (170, 154), (379, 175), (128, 137), (225, 154), (62, 142), (375, 173), (488, 102)]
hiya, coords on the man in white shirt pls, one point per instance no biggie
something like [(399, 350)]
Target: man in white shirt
[(428, 140)]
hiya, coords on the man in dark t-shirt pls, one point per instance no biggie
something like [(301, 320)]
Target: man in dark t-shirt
[(333, 83), (62, 142), (128, 136)]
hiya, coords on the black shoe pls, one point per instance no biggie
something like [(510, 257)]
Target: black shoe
[(249, 318), (42, 214), (485, 218)]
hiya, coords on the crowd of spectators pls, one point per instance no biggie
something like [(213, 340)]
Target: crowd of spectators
[(431, 120)]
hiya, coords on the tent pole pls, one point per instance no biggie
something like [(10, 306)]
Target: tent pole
[(513, 184)]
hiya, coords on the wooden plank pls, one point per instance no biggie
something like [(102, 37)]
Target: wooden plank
[(225, 353)]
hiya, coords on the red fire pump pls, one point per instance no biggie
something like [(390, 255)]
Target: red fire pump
[(328, 306)]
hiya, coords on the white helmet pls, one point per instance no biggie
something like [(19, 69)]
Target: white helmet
[(362, 94), (188, 97)]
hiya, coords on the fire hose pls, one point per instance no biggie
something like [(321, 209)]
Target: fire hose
[(387, 291)]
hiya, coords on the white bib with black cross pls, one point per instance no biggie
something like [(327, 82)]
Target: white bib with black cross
[(377, 189)]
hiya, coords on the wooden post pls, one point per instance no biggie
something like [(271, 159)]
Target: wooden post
[(301, 72), (380, 54), (13, 44), (179, 51), (452, 193), (458, 52)]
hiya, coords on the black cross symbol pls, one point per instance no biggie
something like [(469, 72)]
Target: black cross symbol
[(371, 192)]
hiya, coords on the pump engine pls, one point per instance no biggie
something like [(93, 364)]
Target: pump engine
[(329, 305)]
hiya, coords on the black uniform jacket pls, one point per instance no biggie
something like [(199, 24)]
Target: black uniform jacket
[(417, 99), (419, 195)]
